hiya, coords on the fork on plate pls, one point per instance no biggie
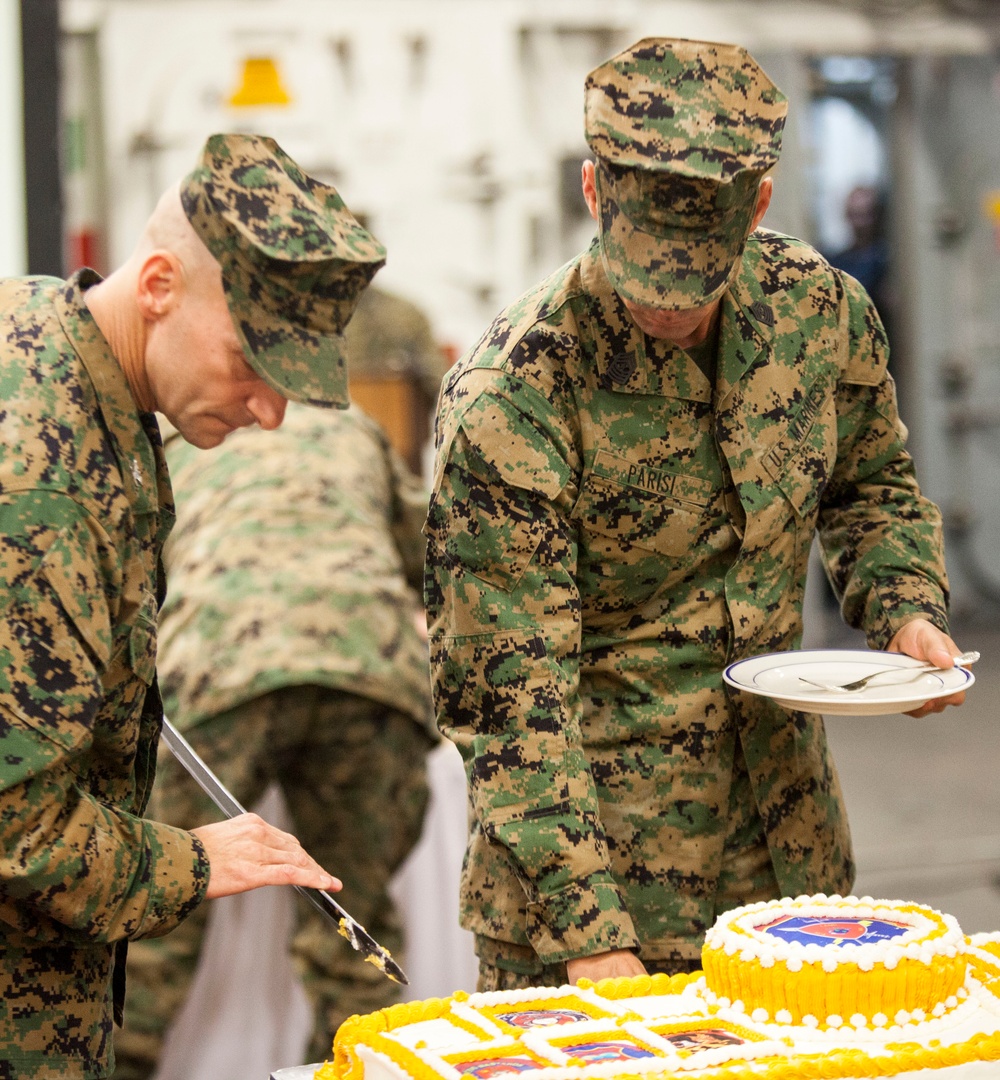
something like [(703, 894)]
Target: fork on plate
[(964, 660)]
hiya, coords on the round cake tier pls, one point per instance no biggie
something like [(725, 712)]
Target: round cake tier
[(833, 960)]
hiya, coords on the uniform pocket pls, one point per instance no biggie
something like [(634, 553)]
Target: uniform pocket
[(638, 506), (800, 472), (493, 533), (142, 647)]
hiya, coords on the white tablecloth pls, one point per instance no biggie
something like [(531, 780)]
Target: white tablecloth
[(247, 1015)]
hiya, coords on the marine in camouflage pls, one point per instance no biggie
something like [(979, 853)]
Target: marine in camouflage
[(85, 503), (294, 262), (683, 132), (607, 531), (613, 521), (289, 654)]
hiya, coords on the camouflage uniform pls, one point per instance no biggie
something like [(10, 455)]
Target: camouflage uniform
[(289, 654), (389, 335), (86, 505), (608, 529)]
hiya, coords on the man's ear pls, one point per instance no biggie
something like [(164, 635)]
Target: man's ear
[(589, 185), (764, 193), (159, 285)]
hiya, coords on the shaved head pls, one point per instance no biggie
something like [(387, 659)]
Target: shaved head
[(168, 229)]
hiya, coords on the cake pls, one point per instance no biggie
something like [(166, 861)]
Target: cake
[(818, 986)]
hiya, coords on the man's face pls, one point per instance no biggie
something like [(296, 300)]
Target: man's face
[(685, 328), (689, 326), (198, 374)]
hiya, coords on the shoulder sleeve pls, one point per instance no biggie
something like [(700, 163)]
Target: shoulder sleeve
[(72, 867), (866, 347), (504, 612), (881, 536), (56, 568)]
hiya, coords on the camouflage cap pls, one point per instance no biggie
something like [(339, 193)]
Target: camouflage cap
[(294, 262), (683, 132)]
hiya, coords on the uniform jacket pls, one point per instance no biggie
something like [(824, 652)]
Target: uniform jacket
[(85, 504), (607, 531), (296, 559)]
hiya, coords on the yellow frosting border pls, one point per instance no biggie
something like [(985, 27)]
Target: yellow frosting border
[(832, 1065), (847, 990)]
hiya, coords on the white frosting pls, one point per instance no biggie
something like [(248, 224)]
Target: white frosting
[(736, 933), (379, 1067), (439, 1034), (657, 1023), (672, 1005)]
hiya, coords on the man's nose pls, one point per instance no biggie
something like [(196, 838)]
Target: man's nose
[(267, 407)]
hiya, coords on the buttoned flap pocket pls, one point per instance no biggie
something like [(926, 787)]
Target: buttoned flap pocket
[(142, 643), (492, 534), (800, 475), (642, 506)]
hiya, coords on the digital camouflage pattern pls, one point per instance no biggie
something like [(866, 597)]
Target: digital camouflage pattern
[(608, 530), (296, 558), (294, 262), (289, 654), (683, 132), (389, 335), (85, 504)]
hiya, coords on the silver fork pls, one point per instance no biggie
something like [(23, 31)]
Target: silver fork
[(964, 660)]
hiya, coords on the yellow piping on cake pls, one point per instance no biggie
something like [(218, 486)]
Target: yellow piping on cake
[(835, 1065)]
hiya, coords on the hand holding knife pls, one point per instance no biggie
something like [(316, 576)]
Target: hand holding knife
[(359, 938)]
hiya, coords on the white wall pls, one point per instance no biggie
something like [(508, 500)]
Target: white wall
[(446, 121), (13, 252)]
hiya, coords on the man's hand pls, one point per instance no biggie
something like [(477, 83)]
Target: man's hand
[(923, 640), (245, 853), (605, 965)]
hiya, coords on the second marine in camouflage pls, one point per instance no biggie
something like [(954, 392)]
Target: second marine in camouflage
[(632, 464)]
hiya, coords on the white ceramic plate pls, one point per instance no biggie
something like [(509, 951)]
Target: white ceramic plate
[(780, 675)]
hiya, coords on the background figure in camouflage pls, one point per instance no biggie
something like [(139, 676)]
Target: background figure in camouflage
[(390, 335), (188, 326), (290, 654), (632, 464)]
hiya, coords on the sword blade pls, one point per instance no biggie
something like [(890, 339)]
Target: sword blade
[(357, 936)]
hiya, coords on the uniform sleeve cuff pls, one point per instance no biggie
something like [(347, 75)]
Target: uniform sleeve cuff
[(179, 872), (888, 614), (580, 920)]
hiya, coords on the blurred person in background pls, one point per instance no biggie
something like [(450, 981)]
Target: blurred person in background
[(632, 463), (293, 652), (230, 305), (390, 335), (396, 366), (866, 257)]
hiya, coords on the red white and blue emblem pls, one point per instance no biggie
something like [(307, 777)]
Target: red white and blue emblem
[(833, 929), (486, 1068), (609, 1050), (529, 1018)]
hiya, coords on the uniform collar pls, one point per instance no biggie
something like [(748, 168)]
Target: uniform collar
[(746, 329), (134, 434)]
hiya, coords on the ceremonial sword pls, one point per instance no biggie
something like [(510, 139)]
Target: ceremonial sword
[(360, 940)]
